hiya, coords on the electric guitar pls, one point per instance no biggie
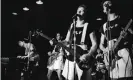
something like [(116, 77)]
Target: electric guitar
[(116, 44), (52, 58), (79, 52), (122, 35)]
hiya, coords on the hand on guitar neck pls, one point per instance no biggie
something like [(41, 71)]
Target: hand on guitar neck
[(84, 57)]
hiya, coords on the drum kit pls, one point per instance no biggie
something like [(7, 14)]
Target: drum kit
[(99, 65), (19, 64), (99, 68)]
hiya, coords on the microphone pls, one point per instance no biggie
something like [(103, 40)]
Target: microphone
[(75, 16)]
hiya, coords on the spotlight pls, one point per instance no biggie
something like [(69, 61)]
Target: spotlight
[(14, 13), (39, 2), (26, 9), (99, 19)]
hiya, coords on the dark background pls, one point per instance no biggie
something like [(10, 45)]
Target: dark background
[(51, 17)]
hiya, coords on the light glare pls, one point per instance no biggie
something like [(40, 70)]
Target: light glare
[(14, 13), (39, 2), (26, 9)]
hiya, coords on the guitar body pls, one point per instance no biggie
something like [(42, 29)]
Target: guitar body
[(83, 65), (52, 59), (79, 52), (111, 56)]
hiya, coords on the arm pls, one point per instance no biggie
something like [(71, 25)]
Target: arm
[(69, 33), (102, 42), (92, 49), (67, 40), (94, 43), (102, 39), (54, 49)]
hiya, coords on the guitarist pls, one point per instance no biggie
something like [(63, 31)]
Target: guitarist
[(55, 62), (117, 62), (85, 39)]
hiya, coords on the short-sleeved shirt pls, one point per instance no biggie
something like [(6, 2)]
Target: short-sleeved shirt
[(113, 31), (79, 32)]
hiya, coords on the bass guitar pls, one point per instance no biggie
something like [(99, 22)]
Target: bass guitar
[(116, 44)]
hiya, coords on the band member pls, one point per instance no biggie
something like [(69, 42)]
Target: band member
[(119, 65), (55, 62), (84, 38), (30, 51), (31, 58)]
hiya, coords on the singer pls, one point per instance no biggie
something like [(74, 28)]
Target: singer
[(82, 37)]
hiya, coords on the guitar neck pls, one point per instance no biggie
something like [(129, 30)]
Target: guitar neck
[(64, 46), (48, 38), (121, 36)]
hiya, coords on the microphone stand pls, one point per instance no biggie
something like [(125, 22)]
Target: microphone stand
[(74, 22), (28, 54), (108, 36)]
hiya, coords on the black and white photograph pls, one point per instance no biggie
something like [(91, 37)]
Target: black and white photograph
[(66, 40)]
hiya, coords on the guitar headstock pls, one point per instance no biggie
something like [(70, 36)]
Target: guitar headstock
[(37, 32)]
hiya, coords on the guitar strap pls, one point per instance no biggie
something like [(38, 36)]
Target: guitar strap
[(84, 33)]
